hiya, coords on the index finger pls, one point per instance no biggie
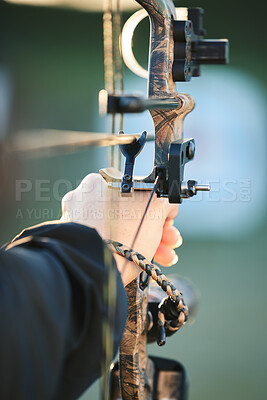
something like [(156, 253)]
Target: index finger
[(173, 212)]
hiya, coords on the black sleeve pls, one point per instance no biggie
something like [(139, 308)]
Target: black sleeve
[(51, 312)]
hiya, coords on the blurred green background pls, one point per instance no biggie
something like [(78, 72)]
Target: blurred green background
[(54, 58)]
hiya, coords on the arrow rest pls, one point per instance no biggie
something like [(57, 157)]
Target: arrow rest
[(130, 152), (171, 171)]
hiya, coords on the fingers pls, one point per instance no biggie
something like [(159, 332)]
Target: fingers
[(171, 237), (169, 222), (165, 256)]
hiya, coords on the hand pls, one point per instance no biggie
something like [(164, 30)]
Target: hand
[(171, 239), (116, 217)]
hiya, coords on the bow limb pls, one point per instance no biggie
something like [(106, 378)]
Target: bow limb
[(136, 369), (168, 124), (134, 362)]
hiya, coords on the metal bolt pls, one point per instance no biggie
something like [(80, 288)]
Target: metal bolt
[(190, 151), (127, 177), (125, 187), (203, 188)]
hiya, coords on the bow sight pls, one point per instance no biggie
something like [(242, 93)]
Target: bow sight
[(177, 50), (191, 50)]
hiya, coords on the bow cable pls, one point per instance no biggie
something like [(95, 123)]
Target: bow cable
[(113, 83), (156, 183), (107, 342), (113, 61), (118, 67)]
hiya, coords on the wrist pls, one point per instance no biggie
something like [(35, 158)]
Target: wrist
[(128, 270)]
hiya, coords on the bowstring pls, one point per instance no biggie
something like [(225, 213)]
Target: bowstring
[(113, 67), (107, 343), (109, 57), (118, 66), (155, 186), (113, 81)]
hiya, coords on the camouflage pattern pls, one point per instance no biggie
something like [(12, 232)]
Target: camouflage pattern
[(136, 370)]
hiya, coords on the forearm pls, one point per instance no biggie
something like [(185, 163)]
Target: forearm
[(52, 276)]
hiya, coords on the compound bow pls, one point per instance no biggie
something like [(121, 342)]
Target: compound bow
[(177, 49)]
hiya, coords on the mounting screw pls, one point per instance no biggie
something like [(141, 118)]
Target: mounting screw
[(127, 177), (125, 187), (190, 151)]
